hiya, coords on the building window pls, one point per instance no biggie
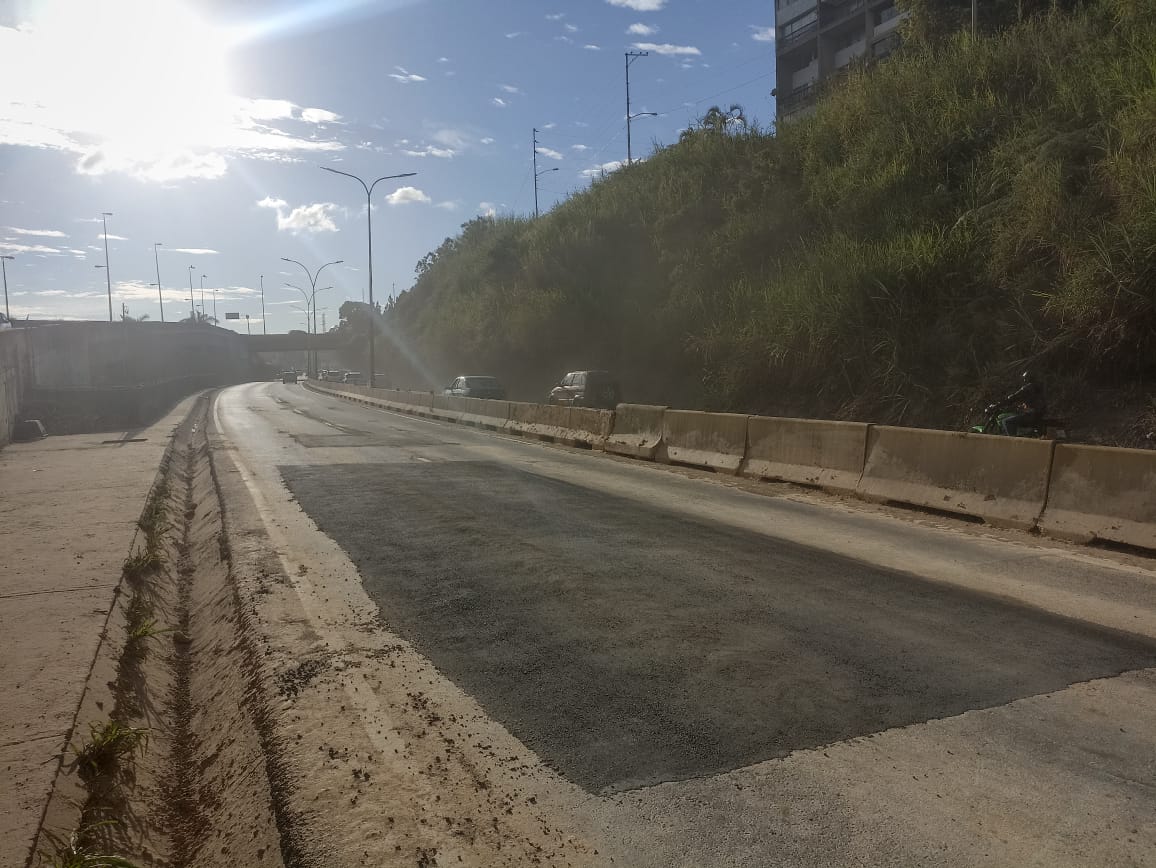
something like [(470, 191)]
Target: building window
[(799, 27)]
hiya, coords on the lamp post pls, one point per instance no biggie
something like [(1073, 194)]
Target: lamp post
[(369, 227), (160, 298), (264, 327), (202, 295), (313, 286), (214, 302), (631, 56), (538, 175), (4, 267), (104, 215), (192, 303), (310, 305)]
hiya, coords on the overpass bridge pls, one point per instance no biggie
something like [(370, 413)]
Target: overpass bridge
[(294, 341)]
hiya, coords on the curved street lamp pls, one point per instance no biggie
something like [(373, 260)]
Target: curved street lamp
[(313, 287), (369, 226)]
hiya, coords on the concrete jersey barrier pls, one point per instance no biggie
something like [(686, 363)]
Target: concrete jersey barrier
[(636, 430), (806, 451), (485, 413), (714, 440), (1102, 492), (547, 421), (590, 426), (1003, 480)]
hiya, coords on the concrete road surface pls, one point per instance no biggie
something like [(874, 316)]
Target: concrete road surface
[(742, 674)]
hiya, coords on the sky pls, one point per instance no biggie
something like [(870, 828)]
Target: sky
[(202, 125)]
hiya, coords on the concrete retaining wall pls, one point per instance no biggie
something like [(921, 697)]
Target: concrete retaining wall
[(485, 413), (636, 430), (1003, 480), (807, 451), (714, 440), (14, 376), (1099, 492)]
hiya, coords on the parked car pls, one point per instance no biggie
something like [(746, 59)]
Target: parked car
[(476, 387), (355, 378), (288, 376), (587, 389)]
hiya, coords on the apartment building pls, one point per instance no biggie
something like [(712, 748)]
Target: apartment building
[(816, 40)]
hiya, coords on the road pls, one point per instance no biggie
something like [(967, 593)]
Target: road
[(723, 673)]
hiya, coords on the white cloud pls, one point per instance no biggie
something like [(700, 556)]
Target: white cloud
[(112, 237), (9, 247), (44, 233), (430, 151), (319, 116), (762, 34), (499, 102), (639, 5), (565, 39), (405, 76), (640, 29), (452, 205), (604, 169), (487, 209), (407, 196), (175, 166), (549, 126), (509, 88), (667, 49), (592, 47), (487, 140), (193, 251), (549, 152), (514, 35), (579, 148), (443, 60), (570, 28), (557, 16), (314, 218)]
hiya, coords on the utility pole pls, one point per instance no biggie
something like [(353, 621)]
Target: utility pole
[(974, 16), (203, 311), (538, 174), (160, 298), (104, 215), (631, 56), (264, 327)]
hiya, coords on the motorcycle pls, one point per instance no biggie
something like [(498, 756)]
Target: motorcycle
[(995, 414)]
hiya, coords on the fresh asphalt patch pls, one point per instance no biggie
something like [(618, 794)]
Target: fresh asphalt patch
[(629, 645)]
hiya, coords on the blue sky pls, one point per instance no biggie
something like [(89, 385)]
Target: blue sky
[(201, 124)]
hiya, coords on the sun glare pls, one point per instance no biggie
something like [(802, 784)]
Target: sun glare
[(144, 80)]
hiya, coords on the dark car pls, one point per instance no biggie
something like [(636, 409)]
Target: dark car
[(288, 376), (476, 387), (587, 389)]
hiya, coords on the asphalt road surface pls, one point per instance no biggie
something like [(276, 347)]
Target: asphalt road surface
[(744, 674)]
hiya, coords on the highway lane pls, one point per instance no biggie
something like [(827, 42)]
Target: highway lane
[(730, 678)]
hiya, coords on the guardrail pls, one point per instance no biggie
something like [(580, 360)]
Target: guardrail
[(1080, 493)]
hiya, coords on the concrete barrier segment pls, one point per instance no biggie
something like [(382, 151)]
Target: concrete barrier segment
[(1002, 480), (824, 454), (636, 430), (714, 440), (1102, 493)]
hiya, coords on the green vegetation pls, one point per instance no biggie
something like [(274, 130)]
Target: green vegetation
[(970, 206), (75, 851), (108, 743)]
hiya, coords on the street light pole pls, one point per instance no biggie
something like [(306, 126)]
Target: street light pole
[(160, 298), (369, 226), (202, 295), (313, 287), (4, 267), (264, 327), (192, 302), (104, 215)]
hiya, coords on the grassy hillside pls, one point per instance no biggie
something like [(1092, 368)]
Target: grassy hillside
[(968, 207)]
